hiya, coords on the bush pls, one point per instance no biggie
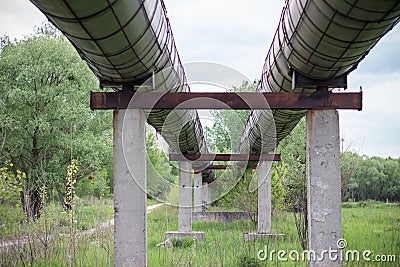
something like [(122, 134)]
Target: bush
[(247, 261), (176, 242), (185, 242), (188, 242)]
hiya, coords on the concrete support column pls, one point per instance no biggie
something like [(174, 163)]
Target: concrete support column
[(185, 197), (264, 197), (323, 184), (264, 205), (197, 191), (185, 206), (206, 196), (130, 244)]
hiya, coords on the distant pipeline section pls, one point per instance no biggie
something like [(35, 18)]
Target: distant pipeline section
[(320, 40), (127, 43)]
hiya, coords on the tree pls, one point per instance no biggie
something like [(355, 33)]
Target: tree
[(371, 178), (160, 175), (228, 125), (240, 197), (44, 104), (348, 163)]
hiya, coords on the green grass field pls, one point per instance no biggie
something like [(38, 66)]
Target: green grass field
[(366, 226), (369, 226)]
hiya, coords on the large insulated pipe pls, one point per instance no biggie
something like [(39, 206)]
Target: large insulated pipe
[(319, 39), (126, 42)]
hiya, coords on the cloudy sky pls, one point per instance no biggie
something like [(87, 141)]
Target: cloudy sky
[(238, 34)]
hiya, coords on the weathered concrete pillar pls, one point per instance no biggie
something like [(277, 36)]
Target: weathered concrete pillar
[(130, 244), (323, 185), (206, 196), (197, 191), (264, 205), (264, 197), (185, 206), (185, 197)]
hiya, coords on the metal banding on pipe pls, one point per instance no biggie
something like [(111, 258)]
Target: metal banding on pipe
[(126, 42), (321, 40)]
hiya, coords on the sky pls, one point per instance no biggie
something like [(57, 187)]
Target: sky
[(238, 34)]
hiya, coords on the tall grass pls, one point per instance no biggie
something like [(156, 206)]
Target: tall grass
[(224, 245), (48, 241), (370, 225)]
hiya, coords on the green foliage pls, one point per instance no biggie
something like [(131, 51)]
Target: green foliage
[(279, 191), (44, 114), (96, 184), (248, 261), (46, 241), (176, 242), (293, 174), (366, 178), (11, 182), (188, 242), (293, 169), (185, 242), (228, 125), (240, 197), (160, 175), (375, 228)]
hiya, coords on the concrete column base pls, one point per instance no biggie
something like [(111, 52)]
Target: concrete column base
[(258, 236), (198, 236), (220, 216)]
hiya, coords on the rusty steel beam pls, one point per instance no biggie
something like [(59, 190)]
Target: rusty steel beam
[(220, 167), (213, 184), (224, 157), (208, 180), (283, 100)]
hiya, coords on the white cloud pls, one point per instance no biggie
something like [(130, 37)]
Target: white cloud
[(375, 129), (229, 32), (18, 18)]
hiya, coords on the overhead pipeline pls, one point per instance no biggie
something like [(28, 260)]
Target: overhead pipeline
[(128, 42), (319, 39)]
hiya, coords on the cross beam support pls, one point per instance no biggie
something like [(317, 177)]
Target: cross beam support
[(129, 99), (221, 167), (224, 157)]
